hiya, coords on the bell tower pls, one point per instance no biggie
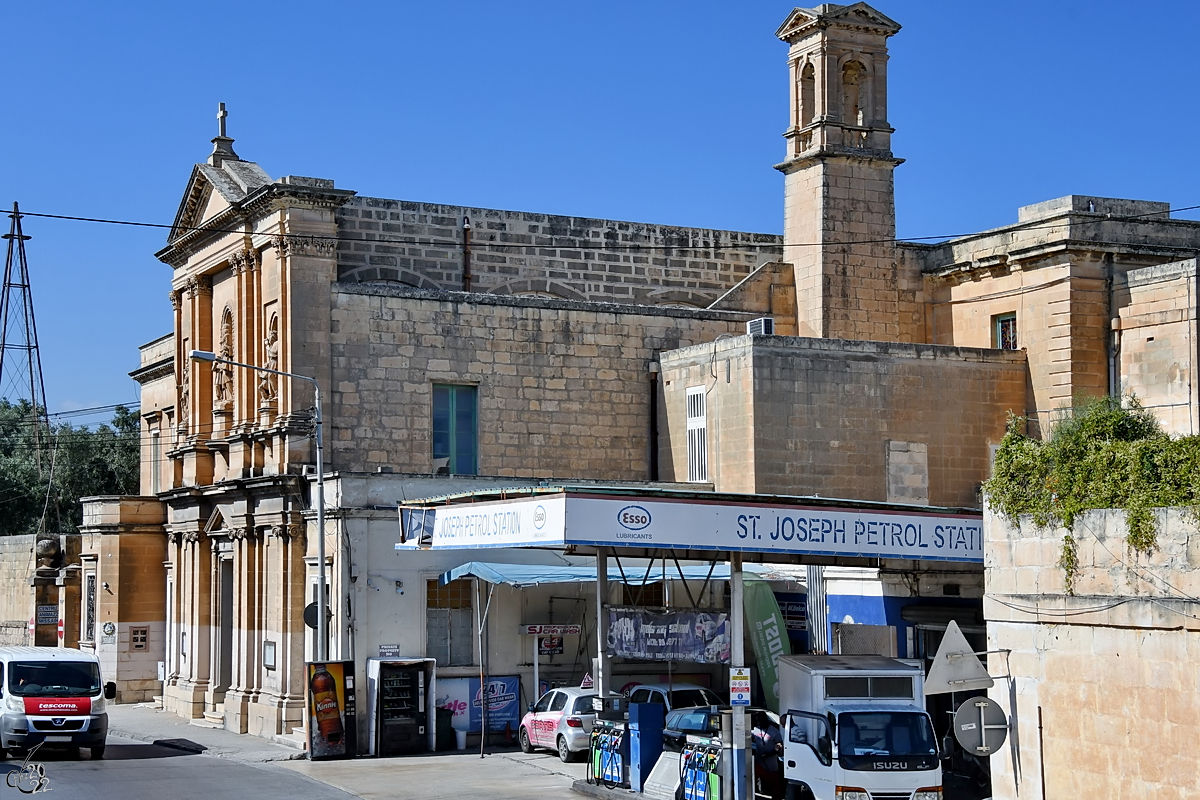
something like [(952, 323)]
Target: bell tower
[(839, 207)]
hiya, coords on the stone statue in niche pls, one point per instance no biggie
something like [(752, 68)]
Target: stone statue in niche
[(268, 384), (185, 395), (222, 372)]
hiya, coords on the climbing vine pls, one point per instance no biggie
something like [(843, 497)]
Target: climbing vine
[(1101, 453)]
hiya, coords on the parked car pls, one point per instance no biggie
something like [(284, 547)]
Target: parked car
[(675, 695), (560, 720), (703, 722)]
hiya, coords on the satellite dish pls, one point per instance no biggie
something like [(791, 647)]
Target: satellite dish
[(956, 668), (980, 726)]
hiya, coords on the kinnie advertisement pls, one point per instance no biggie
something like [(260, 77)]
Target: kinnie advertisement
[(327, 709)]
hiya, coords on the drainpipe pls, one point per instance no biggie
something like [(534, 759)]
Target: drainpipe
[(1114, 333), (653, 369), (466, 229)]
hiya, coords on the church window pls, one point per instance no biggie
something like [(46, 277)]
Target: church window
[(448, 622), (807, 95), (455, 433), (854, 93), (1006, 332)]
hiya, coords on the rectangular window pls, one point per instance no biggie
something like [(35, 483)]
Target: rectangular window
[(139, 638), (455, 450), (155, 462), (651, 595), (449, 625), (697, 435), (88, 634), (1006, 332)]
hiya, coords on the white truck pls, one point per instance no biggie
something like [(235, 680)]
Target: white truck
[(855, 728)]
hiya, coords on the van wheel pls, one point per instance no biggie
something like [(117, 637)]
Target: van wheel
[(97, 752), (523, 736), (3, 754)]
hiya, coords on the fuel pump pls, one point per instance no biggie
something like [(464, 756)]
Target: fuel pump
[(608, 754), (700, 769)]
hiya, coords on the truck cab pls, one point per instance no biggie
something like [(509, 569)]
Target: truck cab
[(855, 728), (52, 696)]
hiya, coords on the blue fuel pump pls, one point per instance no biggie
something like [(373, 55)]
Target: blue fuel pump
[(645, 741)]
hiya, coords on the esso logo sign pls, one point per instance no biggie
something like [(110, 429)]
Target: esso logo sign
[(539, 517), (635, 518)]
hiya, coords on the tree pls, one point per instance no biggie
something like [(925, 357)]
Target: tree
[(75, 462)]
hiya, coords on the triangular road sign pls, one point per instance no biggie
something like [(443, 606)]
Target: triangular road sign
[(956, 668), (586, 683)]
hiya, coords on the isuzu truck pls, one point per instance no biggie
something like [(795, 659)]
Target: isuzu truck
[(855, 728)]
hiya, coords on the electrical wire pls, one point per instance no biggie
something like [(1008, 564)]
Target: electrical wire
[(612, 246)]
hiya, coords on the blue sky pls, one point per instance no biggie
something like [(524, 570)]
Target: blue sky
[(664, 112)]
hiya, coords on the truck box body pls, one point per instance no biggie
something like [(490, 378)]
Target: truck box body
[(857, 722)]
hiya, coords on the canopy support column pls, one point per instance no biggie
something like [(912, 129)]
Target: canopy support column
[(743, 778), (601, 679)]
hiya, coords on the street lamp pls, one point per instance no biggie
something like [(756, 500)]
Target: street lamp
[(322, 604)]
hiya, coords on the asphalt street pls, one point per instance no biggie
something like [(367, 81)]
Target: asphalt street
[(132, 769)]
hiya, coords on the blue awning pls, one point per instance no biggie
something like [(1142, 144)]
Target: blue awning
[(521, 575)]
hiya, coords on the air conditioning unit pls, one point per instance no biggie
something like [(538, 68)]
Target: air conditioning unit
[(763, 326)]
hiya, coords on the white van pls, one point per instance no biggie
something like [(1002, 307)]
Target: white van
[(52, 695)]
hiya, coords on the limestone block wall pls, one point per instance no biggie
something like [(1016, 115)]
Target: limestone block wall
[(563, 387), (516, 252), (1157, 341), (819, 416), (16, 598), (1104, 680)]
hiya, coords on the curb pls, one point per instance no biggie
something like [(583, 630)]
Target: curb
[(188, 746)]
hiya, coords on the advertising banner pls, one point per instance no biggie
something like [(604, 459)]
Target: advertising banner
[(701, 637), (462, 696), (768, 634), (330, 709), (511, 523)]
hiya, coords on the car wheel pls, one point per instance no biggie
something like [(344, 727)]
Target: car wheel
[(523, 736), (97, 752), (564, 752)]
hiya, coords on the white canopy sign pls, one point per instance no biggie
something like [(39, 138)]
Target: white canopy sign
[(633, 521)]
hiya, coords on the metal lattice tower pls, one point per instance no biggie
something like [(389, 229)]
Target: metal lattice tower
[(20, 360)]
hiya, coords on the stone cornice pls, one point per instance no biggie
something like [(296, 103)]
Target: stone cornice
[(828, 152), (245, 212), (803, 22), (154, 371)]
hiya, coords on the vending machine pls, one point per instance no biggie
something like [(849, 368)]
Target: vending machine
[(400, 693)]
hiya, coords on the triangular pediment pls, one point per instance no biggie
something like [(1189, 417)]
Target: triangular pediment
[(803, 21), (212, 189)]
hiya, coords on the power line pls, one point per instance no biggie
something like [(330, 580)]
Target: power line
[(633, 246)]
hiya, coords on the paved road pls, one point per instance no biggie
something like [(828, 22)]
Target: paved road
[(132, 769)]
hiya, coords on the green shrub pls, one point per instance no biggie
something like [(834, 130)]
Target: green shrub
[(1100, 454)]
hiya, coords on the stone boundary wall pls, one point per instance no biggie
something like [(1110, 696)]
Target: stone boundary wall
[(1104, 680), (517, 252), (16, 598)]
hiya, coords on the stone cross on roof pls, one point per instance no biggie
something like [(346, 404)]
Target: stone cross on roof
[(222, 144)]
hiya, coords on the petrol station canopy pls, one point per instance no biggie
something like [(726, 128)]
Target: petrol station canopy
[(693, 524)]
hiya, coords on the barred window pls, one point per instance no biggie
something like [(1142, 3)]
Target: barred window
[(449, 625), (697, 435), (1006, 332)]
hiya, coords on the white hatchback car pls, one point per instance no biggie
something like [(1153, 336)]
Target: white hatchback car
[(560, 720)]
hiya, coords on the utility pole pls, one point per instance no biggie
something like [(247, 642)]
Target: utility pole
[(22, 378)]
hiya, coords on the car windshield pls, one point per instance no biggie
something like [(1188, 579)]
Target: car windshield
[(689, 698), (891, 734), (694, 721), (54, 678), (583, 705)]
